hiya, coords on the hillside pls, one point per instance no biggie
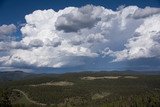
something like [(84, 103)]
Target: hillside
[(87, 89)]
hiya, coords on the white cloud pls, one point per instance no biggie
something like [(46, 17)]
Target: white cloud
[(7, 29), (146, 12), (79, 18), (65, 38), (145, 43), (6, 32), (36, 43)]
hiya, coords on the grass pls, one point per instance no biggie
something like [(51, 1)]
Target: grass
[(59, 83)]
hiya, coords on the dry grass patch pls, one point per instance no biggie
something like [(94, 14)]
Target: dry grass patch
[(100, 95), (104, 77), (60, 83), (131, 77)]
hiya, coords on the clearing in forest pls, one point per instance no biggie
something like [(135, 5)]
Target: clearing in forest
[(59, 83), (104, 77)]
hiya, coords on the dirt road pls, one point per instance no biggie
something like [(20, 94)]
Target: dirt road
[(30, 100)]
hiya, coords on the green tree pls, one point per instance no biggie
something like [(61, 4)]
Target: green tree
[(5, 99)]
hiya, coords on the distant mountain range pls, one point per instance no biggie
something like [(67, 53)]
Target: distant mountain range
[(19, 75), (14, 75)]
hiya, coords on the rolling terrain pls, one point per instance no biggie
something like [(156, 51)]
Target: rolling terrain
[(81, 89)]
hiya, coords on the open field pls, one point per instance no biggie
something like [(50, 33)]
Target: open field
[(51, 83), (103, 77), (84, 89)]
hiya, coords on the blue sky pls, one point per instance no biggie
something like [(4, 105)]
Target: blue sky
[(13, 11), (111, 38)]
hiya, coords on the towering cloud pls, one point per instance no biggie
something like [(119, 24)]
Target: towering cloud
[(67, 37), (145, 43), (79, 18)]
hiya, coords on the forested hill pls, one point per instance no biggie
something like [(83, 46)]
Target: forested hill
[(80, 89), (18, 75), (13, 75)]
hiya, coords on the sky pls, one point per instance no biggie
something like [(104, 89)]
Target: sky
[(79, 35)]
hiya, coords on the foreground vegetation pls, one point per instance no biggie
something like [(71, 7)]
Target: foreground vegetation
[(88, 89)]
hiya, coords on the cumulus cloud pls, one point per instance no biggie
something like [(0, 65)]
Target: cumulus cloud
[(36, 43), (12, 45), (6, 37), (145, 43), (78, 19), (148, 11), (55, 42), (6, 32), (68, 36), (7, 29)]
